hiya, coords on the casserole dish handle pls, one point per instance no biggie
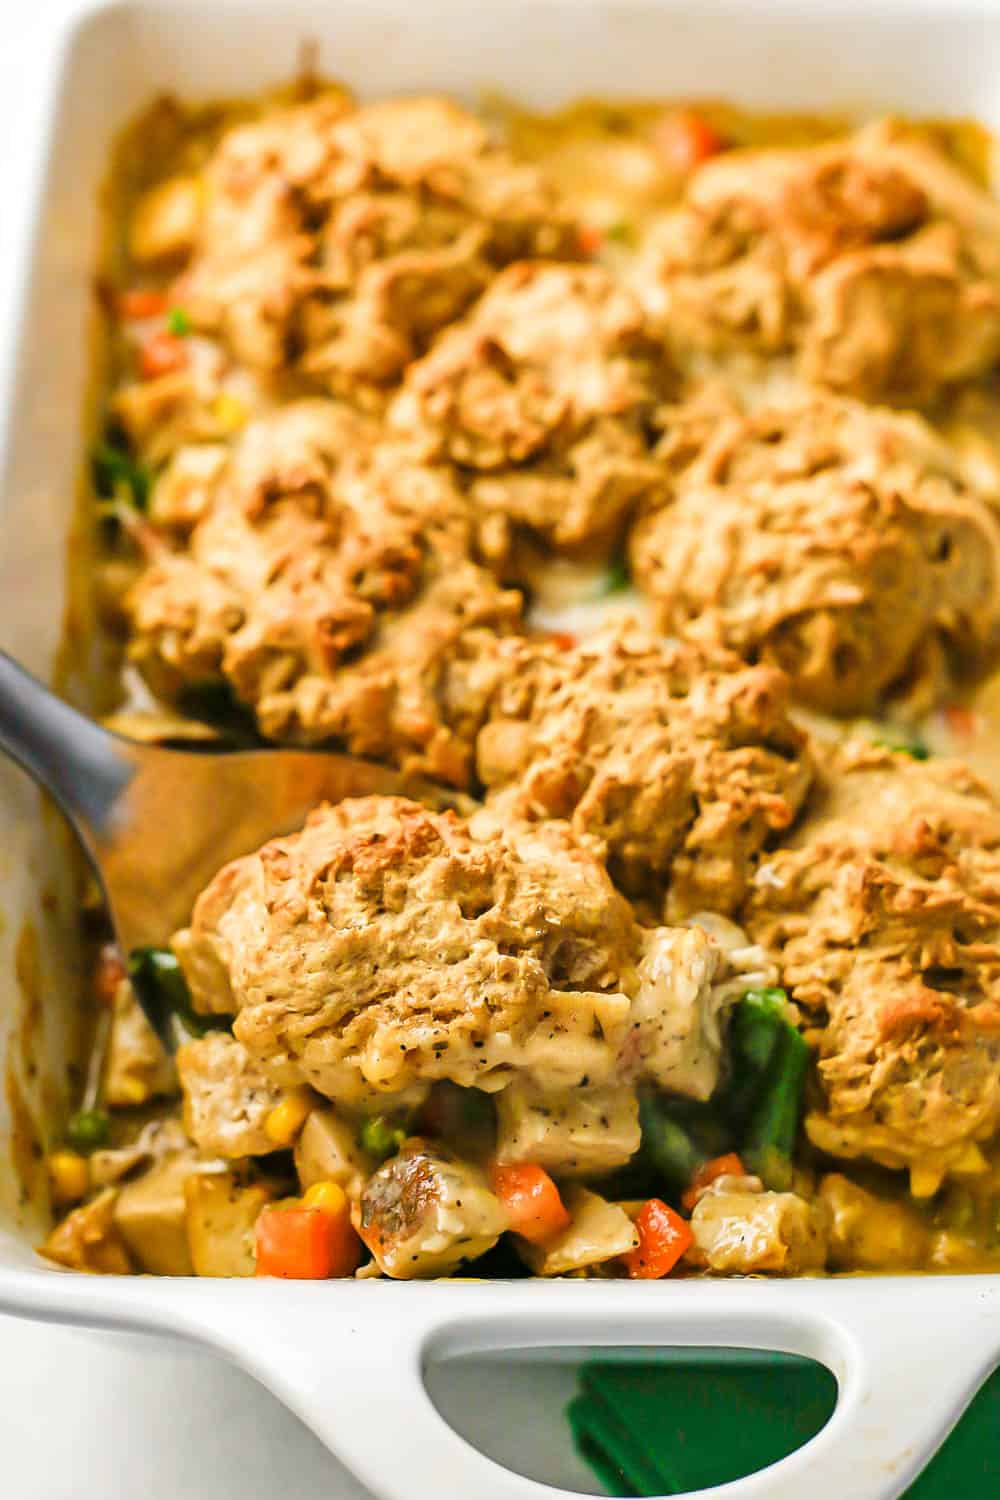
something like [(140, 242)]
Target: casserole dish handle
[(908, 1354), (349, 1358)]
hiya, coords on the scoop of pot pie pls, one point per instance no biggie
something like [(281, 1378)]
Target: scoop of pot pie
[(386, 945)]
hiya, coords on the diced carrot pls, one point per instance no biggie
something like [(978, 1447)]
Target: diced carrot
[(534, 1207), (564, 639), (719, 1166), (685, 139), (961, 721), (142, 302), (109, 971), (589, 239), (305, 1244), (160, 354), (663, 1238)]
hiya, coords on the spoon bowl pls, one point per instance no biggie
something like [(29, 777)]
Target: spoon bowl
[(157, 823)]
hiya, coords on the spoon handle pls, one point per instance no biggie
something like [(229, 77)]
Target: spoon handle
[(83, 766)]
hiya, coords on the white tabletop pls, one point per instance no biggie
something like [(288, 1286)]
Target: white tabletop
[(92, 1417), (84, 1417)]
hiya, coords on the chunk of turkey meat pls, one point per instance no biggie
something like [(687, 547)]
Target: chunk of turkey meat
[(883, 916), (579, 1132), (334, 590), (839, 543), (338, 239), (385, 945), (681, 762), (426, 1211), (874, 259), (228, 1096), (547, 399)]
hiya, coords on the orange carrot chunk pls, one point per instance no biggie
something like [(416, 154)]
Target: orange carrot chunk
[(534, 1207), (685, 139), (109, 971), (161, 354), (961, 721), (305, 1244), (590, 239), (142, 302), (719, 1166), (663, 1238)]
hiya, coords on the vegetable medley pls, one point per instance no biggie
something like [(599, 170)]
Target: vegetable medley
[(603, 468)]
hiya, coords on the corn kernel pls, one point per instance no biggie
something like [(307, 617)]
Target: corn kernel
[(970, 1162), (69, 1176), (327, 1196), (229, 412), (286, 1119), (130, 1090), (925, 1181)]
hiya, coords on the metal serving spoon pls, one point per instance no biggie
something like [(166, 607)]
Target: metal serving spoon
[(157, 823)]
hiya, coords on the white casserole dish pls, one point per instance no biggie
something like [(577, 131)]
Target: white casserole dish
[(908, 1352)]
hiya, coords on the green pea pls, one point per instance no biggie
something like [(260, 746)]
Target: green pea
[(178, 322), (380, 1137), (88, 1129)]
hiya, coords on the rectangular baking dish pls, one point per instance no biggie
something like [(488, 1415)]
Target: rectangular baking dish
[(908, 1352)]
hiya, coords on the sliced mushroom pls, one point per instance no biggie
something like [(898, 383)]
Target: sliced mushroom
[(88, 1238)]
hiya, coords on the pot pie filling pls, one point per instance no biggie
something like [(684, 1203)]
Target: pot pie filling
[(605, 468)]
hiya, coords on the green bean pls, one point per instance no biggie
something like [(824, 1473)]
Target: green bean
[(773, 1123), (666, 1144), (616, 578), (117, 475), (159, 978), (904, 744)]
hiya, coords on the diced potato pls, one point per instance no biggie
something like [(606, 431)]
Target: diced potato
[(868, 1233), (575, 1132), (165, 221), (425, 1211), (227, 1097), (598, 1231), (151, 1217), (221, 1215), (88, 1238), (137, 1067), (327, 1150), (740, 1230)]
